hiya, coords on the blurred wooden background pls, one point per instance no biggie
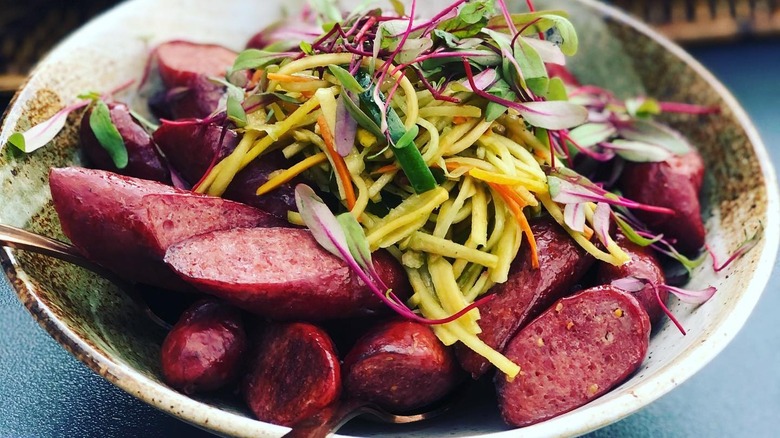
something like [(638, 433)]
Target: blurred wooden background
[(29, 28), (690, 21)]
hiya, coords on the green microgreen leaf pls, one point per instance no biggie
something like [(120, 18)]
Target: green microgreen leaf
[(633, 236), (345, 78), (531, 66), (501, 89), (398, 7), (642, 107), (254, 58), (591, 134), (553, 114), (356, 240), (648, 131), (306, 48), (365, 121), (556, 90), (532, 22), (566, 32), (471, 18), (107, 135), (41, 134), (235, 112), (639, 151)]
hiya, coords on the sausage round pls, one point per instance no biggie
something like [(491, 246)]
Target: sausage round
[(143, 160), (294, 375), (673, 184), (281, 273), (527, 291), (401, 366), (575, 351), (643, 265), (205, 349), (185, 68)]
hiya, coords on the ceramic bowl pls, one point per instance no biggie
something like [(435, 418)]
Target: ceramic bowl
[(100, 326)]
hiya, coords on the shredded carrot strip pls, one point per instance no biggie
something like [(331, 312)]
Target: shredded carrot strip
[(256, 76), (516, 205), (386, 169), (338, 162), (288, 174), (458, 120), (289, 78)]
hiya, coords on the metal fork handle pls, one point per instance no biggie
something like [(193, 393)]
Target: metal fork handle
[(18, 238)]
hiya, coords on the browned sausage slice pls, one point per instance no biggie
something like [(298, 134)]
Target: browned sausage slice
[(185, 69), (401, 366), (180, 62), (190, 146), (205, 349), (110, 219), (280, 273), (528, 291), (643, 265), (143, 160), (294, 375), (575, 351), (673, 184)]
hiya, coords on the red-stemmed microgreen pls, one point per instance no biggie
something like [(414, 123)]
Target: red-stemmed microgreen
[(41, 134), (696, 297), (44, 132), (743, 249), (568, 190), (543, 114), (345, 129), (343, 237), (601, 222)]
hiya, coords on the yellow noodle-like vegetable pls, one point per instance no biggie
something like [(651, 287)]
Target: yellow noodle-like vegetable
[(424, 242)]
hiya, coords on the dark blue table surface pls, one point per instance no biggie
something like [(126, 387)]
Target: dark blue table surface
[(46, 392)]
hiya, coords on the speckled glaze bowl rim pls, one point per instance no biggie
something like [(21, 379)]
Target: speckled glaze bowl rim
[(578, 422)]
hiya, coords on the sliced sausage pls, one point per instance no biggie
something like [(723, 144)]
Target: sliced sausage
[(205, 349), (244, 186), (400, 365), (673, 184), (143, 159), (179, 62), (185, 68), (110, 219), (281, 273), (527, 291), (191, 145), (577, 350), (643, 265), (295, 374)]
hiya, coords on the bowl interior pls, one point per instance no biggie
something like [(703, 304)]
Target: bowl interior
[(100, 325)]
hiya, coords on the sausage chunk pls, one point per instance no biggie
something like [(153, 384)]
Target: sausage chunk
[(643, 265), (143, 160), (674, 184), (527, 291), (401, 366), (575, 351), (295, 374), (205, 349), (185, 68), (191, 146), (281, 273), (126, 224)]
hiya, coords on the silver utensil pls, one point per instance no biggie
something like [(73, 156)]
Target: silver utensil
[(18, 238)]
